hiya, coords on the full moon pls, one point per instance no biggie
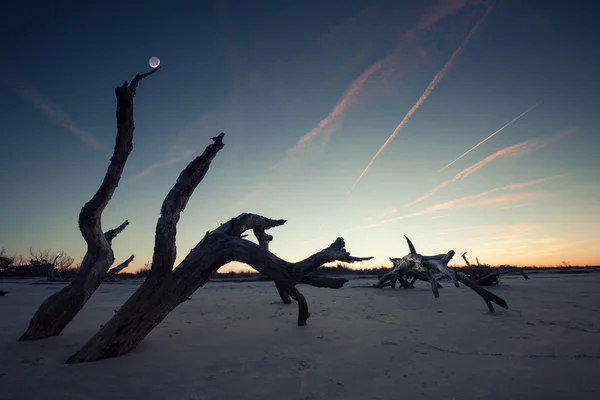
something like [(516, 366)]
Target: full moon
[(154, 62)]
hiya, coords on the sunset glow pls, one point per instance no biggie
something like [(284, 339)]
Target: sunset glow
[(494, 116)]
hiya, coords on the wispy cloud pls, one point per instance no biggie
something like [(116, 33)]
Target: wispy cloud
[(436, 80), (480, 201), (328, 124), (473, 201), (437, 13), (476, 200), (187, 142), (515, 206), (386, 66), (511, 151), (492, 135), (53, 112), (515, 229), (177, 154)]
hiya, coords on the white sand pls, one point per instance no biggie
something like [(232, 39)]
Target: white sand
[(237, 341)]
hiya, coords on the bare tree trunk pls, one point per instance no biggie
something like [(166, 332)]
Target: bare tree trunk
[(165, 288), (55, 313)]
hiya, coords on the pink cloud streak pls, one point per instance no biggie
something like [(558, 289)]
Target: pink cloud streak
[(475, 200), (515, 150), (351, 93)]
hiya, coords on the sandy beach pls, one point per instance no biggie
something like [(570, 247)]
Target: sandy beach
[(238, 341)]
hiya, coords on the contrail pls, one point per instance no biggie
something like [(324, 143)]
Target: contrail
[(511, 151), (436, 79), (53, 112), (492, 135)]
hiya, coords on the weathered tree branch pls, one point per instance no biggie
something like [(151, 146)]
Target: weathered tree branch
[(471, 272), (164, 290), (487, 296), (310, 279), (264, 239), (114, 271), (165, 250), (111, 234), (59, 309)]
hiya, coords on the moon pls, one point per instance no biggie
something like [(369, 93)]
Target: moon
[(154, 62)]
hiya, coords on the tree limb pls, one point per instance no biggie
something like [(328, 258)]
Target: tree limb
[(471, 271), (55, 313), (264, 239), (111, 234), (165, 250), (112, 272)]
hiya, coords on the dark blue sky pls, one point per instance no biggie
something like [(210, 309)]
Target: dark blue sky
[(341, 75)]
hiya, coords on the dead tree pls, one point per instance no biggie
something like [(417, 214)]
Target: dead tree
[(60, 308), (114, 271), (165, 288), (49, 264)]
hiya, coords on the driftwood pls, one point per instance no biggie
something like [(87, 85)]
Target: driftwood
[(402, 272), (417, 266), (114, 271), (165, 288), (484, 275), (494, 275), (55, 313), (311, 279)]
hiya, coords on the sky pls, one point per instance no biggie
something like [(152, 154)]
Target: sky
[(345, 118)]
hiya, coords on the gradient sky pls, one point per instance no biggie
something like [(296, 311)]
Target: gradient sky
[(308, 93)]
